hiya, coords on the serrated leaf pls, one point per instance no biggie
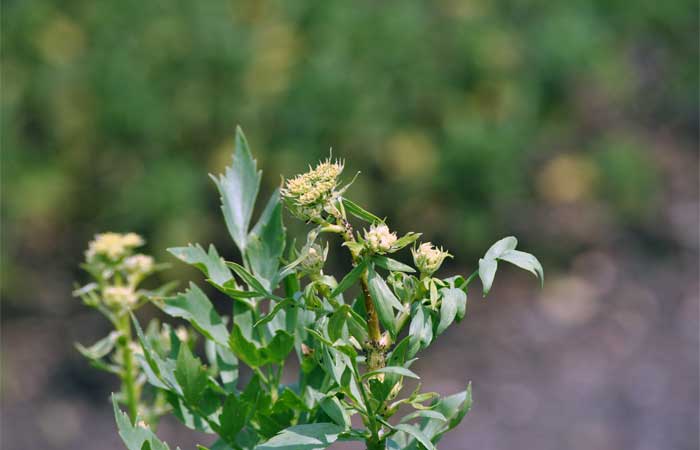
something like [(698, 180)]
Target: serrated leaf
[(417, 434), (194, 306), (394, 370), (392, 264), (266, 242), (190, 375), (210, 263), (315, 436), (239, 188), (349, 279), (279, 347), (234, 416), (524, 261), (359, 212), (244, 349), (135, 437)]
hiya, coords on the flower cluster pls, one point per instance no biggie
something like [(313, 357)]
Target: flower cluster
[(139, 264), (379, 239), (428, 258), (308, 194), (112, 246), (119, 297)]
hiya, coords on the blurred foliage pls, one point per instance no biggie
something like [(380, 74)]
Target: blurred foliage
[(478, 111)]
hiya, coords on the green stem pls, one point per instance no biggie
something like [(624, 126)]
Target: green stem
[(129, 387), (471, 277)]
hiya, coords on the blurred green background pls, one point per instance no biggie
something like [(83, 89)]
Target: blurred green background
[(573, 125)]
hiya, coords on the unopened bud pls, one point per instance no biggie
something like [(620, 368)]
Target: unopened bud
[(379, 239), (428, 258)]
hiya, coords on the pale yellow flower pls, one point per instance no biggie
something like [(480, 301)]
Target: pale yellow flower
[(379, 239), (307, 194), (113, 245), (139, 264), (119, 296)]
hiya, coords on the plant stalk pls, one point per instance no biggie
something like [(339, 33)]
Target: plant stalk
[(376, 353), (129, 387)]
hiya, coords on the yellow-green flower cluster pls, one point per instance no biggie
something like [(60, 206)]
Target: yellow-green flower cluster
[(119, 297), (428, 258), (139, 263), (379, 239), (309, 193), (113, 246)]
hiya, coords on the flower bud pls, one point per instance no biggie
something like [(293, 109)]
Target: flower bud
[(315, 259), (428, 258), (119, 296), (379, 239)]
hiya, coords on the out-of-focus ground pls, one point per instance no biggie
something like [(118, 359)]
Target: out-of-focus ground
[(571, 125)]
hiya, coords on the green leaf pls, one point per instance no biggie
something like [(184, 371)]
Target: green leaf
[(349, 279), (359, 212), (279, 347), (394, 370), (487, 272), (500, 247), (234, 416), (392, 264), (245, 350), (524, 261), (416, 433), (194, 306), (100, 348), (159, 371), (135, 437), (454, 408), (424, 414), (403, 241), (454, 302), (249, 279), (190, 375), (333, 409), (210, 263), (238, 189), (315, 436), (504, 250), (420, 332), (266, 242), (279, 306), (384, 300)]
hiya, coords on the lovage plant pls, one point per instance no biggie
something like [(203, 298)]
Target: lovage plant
[(354, 338)]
